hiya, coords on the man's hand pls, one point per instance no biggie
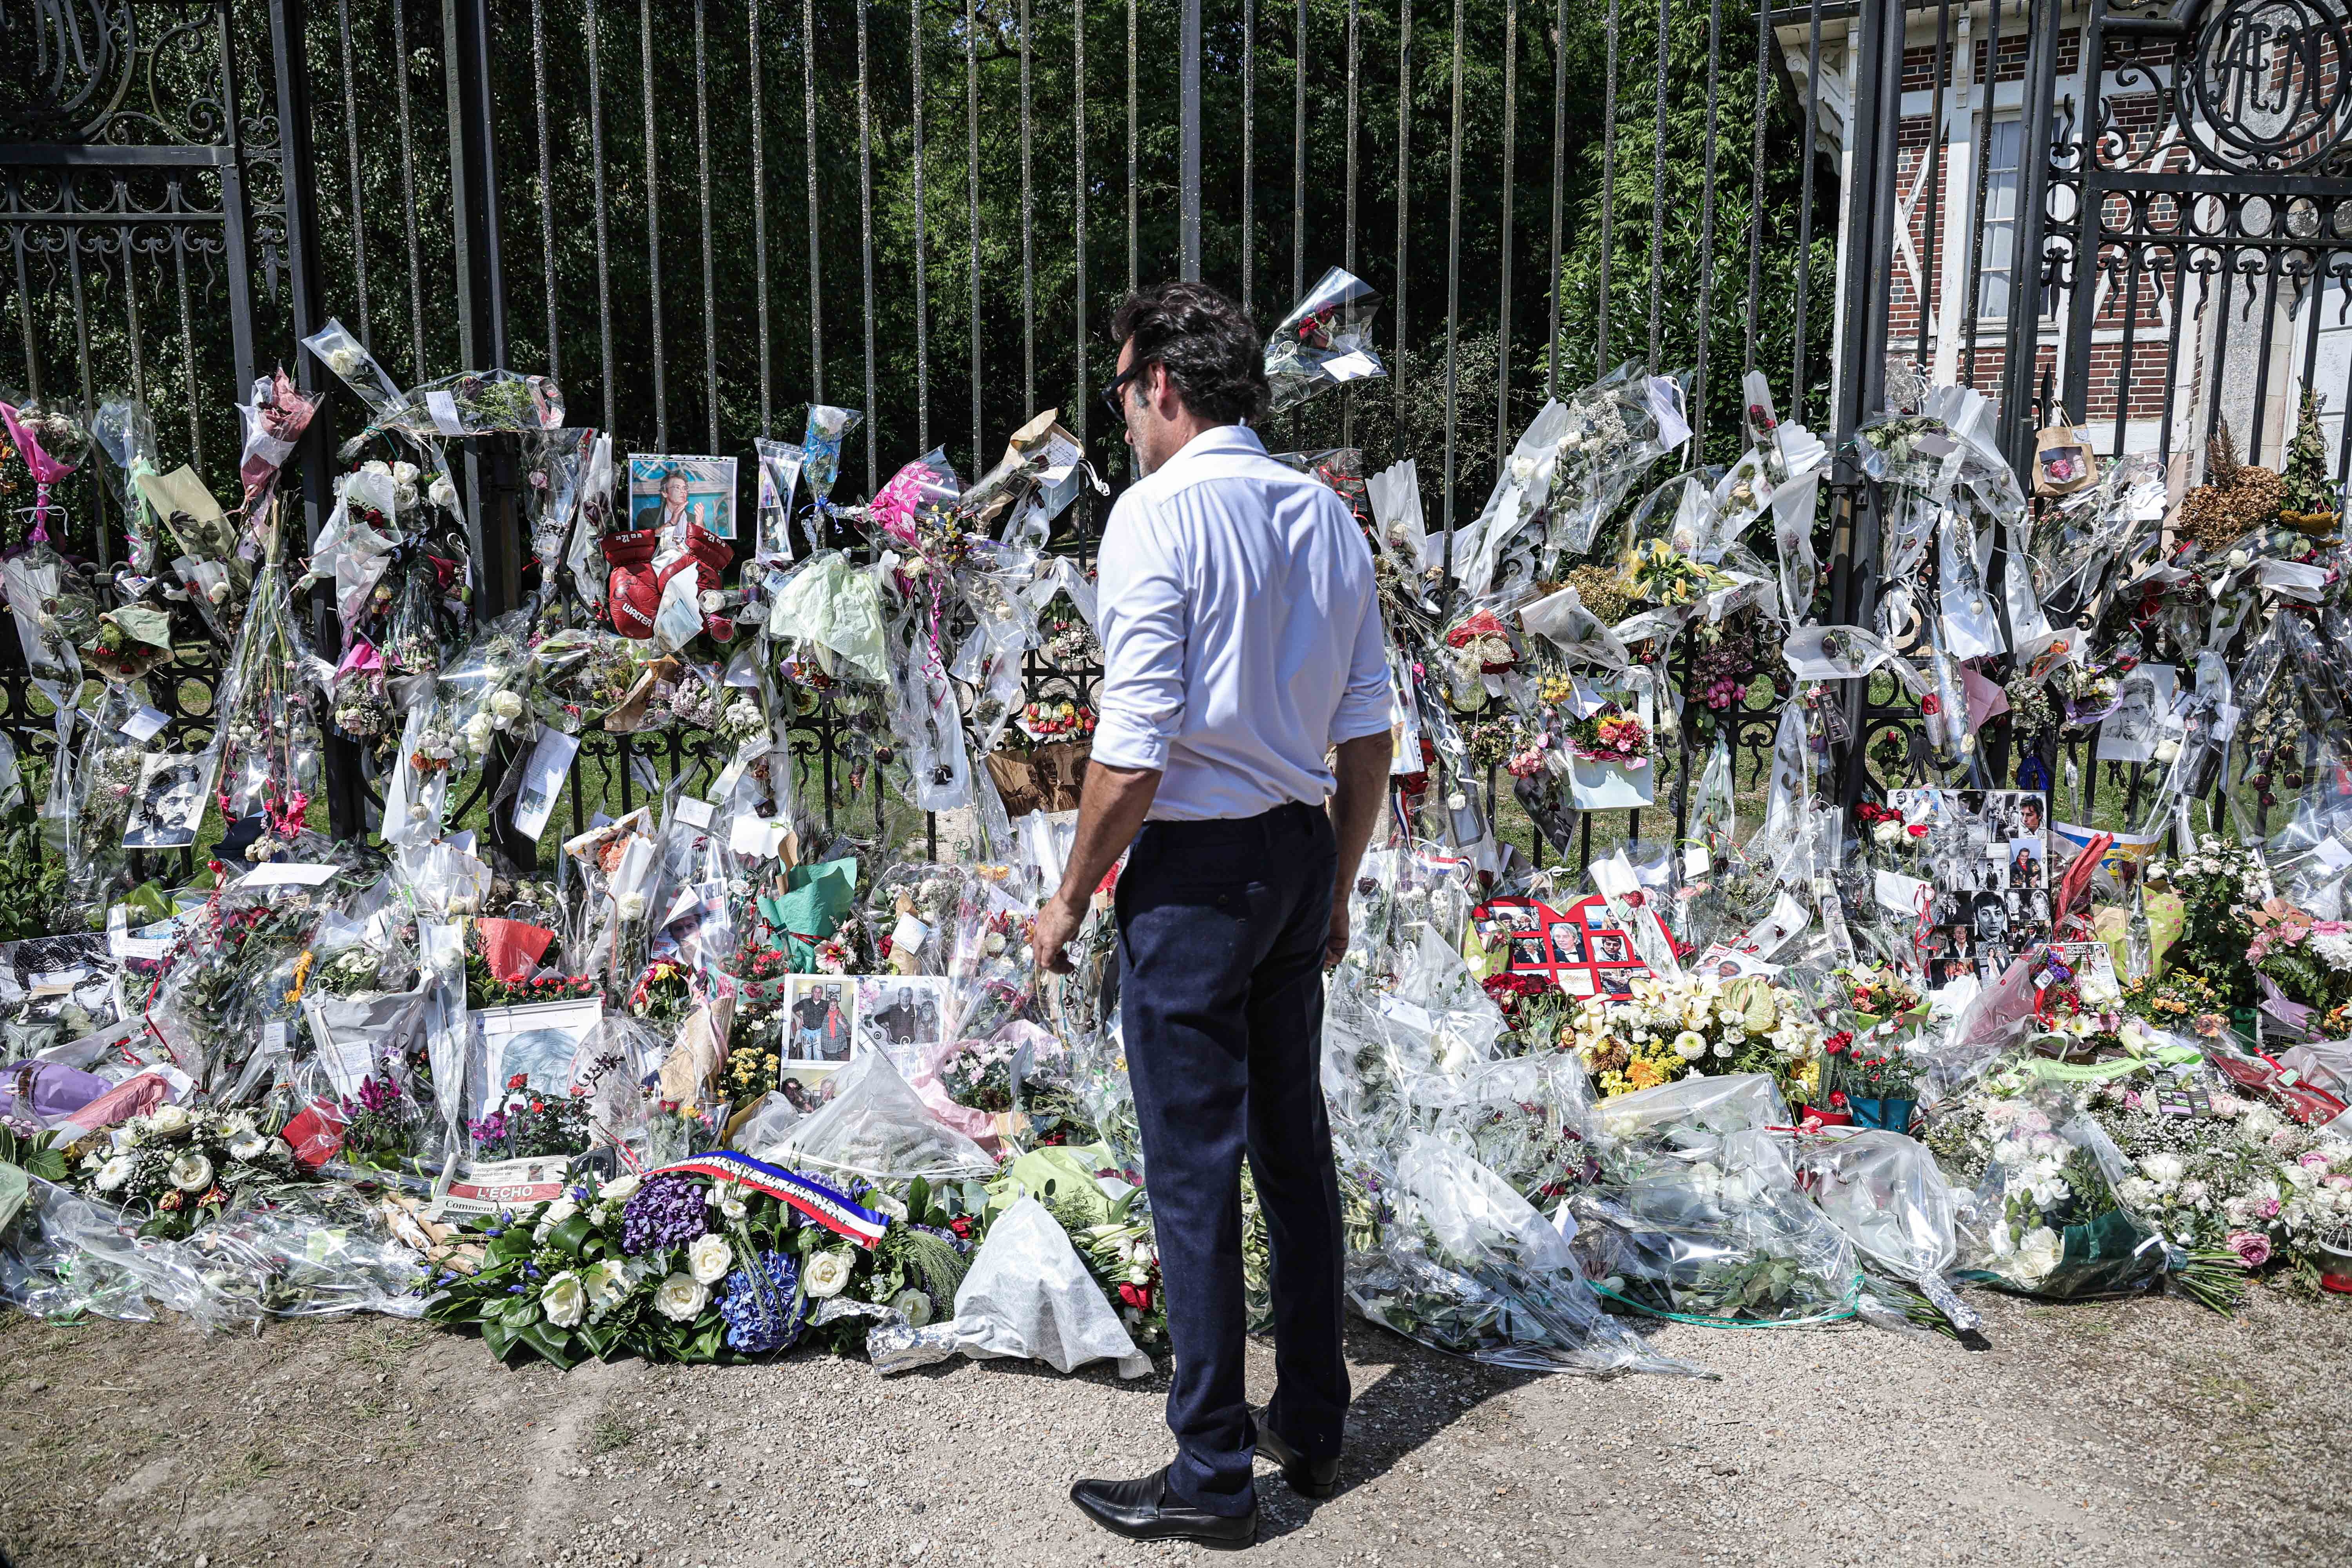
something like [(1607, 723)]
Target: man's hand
[(1335, 946), (1056, 926)]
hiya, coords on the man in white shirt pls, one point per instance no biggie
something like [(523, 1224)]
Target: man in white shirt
[(1242, 751)]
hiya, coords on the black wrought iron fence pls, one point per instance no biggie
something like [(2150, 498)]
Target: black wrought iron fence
[(700, 214)]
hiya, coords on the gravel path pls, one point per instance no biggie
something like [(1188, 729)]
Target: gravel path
[(2144, 1431)]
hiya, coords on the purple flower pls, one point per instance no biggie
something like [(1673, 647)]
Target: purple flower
[(667, 1211), (2253, 1249)]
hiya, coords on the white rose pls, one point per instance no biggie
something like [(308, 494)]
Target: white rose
[(192, 1172), (2260, 1121), (443, 494), (731, 1205), (115, 1171), (633, 906), (477, 733), (606, 1282), (884, 1205), (710, 1259), (345, 360), (564, 1300), (914, 1306), (168, 1121), (681, 1298), (711, 601), (618, 1191), (827, 1273), (2166, 750), (505, 704), (554, 1214), (2164, 1170)]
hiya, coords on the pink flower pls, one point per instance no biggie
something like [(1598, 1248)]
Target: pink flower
[(2268, 1208), (2315, 1161), (2253, 1249)]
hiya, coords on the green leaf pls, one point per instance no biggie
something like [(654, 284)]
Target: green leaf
[(552, 1343), (502, 1340), (518, 1312), (513, 1244), (918, 1196), (571, 1235)]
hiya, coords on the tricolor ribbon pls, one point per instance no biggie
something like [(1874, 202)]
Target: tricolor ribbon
[(812, 1200)]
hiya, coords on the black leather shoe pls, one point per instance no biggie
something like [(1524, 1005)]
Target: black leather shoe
[(1145, 1509), (1308, 1478)]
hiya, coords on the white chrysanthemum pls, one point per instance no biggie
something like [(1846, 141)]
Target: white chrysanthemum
[(2038, 1255), (1690, 1046)]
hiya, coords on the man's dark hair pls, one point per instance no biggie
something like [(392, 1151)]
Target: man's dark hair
[(1212, 353)]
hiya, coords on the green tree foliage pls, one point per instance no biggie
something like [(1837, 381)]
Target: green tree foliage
[(738, 131)]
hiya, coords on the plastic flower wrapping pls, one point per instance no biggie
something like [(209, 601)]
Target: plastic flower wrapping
[(673, 995)]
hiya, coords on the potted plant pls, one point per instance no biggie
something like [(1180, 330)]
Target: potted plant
[(1881, 1090)]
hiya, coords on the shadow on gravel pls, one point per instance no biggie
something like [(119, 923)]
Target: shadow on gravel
[(1404, 1396)]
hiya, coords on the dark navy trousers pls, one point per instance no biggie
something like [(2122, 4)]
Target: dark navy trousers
[(1222, 926)]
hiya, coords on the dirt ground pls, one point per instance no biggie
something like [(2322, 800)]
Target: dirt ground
[(2146, 1431)]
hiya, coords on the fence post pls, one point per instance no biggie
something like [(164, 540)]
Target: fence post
[(1871, 199), (2019, 361), (289, 49), (1188, 185), (481, 292), (490, 466)]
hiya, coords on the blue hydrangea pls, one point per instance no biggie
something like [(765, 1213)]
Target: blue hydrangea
[(765, 1315)]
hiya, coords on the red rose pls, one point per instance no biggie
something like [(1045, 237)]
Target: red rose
[(1837, 1098), (517, 1080), (1136, 1296)]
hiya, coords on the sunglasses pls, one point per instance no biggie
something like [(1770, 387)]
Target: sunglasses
[(1111, 397)]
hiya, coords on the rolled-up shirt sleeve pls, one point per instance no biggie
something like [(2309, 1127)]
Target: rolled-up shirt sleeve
[(1365, 706), (1146, 618)]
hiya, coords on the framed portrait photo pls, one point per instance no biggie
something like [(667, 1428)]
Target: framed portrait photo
[(539, 1040), (820, 1022), (668, 492), (902, 1015)]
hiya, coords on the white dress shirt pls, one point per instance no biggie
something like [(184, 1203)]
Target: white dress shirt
[(1241, 633)]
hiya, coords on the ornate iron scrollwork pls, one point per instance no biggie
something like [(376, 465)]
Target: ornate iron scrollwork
[(2265, 87), (116, 72)]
